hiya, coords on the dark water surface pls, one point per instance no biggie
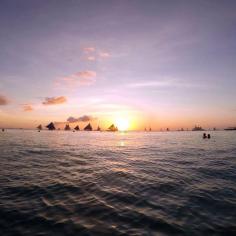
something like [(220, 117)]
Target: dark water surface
[(64, 183)]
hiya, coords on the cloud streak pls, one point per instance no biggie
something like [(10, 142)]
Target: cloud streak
[(54, 100), (3, 100), (163, 84), (91, 58), (89, 49), (104, 54), (83, 78), (27, 108), (84, 118)]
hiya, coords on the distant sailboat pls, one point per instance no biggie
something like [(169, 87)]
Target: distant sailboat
[(112, 128), (51, 126), (39, 127), (98, 128), (88, 127), (197, 128), (77, 128), (67, 127)]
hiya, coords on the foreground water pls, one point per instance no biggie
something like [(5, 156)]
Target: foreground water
[(100, 183)]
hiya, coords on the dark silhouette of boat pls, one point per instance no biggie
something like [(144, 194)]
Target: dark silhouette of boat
[(39, 127), (112, 128), (197, 128), (77, 128), (88, 127), (67, 127), (51, 126), (230, 128)]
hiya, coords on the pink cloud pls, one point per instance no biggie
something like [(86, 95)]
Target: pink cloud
[(91, 58), (89, 49), (104, 54), (54, 100), (82, 78), (86, 74), (27, 108)]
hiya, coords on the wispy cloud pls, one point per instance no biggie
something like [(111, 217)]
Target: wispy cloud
[(104, 54), (150, 84), (84, 118), (27, 108), (91, 58), (54, 100), (89, 49), (82, 78), (172, 82), (3, 100)]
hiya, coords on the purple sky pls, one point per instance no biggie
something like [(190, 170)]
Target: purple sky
[(160, 63)]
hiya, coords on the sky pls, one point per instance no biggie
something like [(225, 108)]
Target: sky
[(151, 63)]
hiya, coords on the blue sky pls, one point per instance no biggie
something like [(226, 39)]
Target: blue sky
[(170, 62)]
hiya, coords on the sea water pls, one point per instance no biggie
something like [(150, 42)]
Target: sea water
[(104, 183)]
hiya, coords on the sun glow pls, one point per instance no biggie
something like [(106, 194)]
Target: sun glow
[(122, 124)]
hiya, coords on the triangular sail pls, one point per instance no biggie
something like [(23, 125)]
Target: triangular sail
[(39, 127), (67, 127), (113, 128), (51, 126), (77, 128), (88, 127)]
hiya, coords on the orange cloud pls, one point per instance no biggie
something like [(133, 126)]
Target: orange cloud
[(89, 49), (54, 100), (82, 77), (104, 54), (27, 108), (3, 100)]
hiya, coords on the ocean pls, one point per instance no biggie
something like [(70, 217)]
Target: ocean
[(103, 183)]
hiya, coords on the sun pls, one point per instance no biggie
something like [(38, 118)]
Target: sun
[(122, 124)]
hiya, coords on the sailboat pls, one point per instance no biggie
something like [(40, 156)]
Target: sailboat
[(39, 127), (51, 126), (112, 128), (98, 128), (88, 127), (67, 127), (77, 128), (197, 128)]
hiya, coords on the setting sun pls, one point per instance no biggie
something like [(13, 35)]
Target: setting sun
[(122, 124)]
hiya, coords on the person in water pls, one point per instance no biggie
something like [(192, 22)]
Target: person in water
[(204, 136), (208, 136)]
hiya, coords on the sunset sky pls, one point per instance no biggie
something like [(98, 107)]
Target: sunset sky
[(154, 63)]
